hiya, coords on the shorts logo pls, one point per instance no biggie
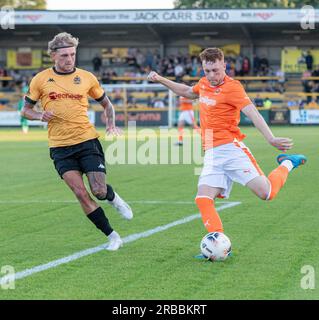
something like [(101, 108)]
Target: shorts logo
[(55, 96), (207, 101), (101, 166), (77, 80)]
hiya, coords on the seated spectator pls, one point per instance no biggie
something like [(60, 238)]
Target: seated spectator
[(313, 104), (267, 103), (292, 103), (301, 104), (157, 101), (258, 101), (117, 99), (281, 81)]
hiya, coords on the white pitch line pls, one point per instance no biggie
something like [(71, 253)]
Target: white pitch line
[(75, 201), (133, 237)]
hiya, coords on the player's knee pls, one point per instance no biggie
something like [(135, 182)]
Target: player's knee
[(99, 192), (263, 194)]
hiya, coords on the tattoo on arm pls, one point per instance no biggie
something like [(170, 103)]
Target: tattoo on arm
[(108, 111), (28, 112)]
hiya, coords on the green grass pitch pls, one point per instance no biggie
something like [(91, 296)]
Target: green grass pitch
[(40, 222)]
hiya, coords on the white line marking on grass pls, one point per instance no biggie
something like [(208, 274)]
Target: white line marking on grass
[(133, 237), (76, 202)]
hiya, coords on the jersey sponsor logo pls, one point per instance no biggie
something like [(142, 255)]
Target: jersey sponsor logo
[(55, 96), (77, 80), (207, 101)]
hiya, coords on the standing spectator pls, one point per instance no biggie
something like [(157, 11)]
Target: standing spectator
[(238, 66), (97, 63), (179, 72), (264, 66), (245, 66), (256, 64), (149, 59), (315, 73), (309, 60)]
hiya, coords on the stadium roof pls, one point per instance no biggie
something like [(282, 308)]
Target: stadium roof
[(167, 27)]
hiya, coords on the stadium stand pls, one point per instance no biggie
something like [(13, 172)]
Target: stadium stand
[(116, 53)]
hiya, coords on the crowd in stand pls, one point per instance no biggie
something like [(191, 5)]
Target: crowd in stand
[(138, 64), (178, 65)]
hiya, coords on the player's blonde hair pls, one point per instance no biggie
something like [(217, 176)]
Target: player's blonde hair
[(212, 54), (62, 40)]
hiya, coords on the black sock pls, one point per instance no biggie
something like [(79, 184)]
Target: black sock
[(110, 193), (101, 221)]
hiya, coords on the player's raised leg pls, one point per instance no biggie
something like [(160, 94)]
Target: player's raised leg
[(103, 191), (92, 210), (267, 188), (205, 202)]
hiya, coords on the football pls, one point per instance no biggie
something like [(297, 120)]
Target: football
[(215, 246)]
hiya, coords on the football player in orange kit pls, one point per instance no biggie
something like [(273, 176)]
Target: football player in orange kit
[(227, 159), (186, 115)]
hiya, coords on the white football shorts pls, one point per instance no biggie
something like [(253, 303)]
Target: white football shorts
[(186, 116), (228, 163)]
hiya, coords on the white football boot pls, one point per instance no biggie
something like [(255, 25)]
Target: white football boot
[(122, 207), (115, 241)]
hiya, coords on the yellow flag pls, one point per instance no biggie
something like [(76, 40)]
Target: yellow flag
[(194, 49), (231, 49)]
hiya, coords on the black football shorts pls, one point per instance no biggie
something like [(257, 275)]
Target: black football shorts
[(87, 156)]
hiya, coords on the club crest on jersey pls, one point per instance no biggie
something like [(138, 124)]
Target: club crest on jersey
[(207, 101), (77, 80), (217, 91)]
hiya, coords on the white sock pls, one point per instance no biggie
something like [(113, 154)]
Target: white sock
[(287, 164), (113, 235)]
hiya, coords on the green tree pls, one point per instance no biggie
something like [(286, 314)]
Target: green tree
[(241, 4), (24, 4)]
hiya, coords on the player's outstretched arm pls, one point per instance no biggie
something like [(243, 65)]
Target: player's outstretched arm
[(259, 122), (110, 117), (30, 114), (178, 88)]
